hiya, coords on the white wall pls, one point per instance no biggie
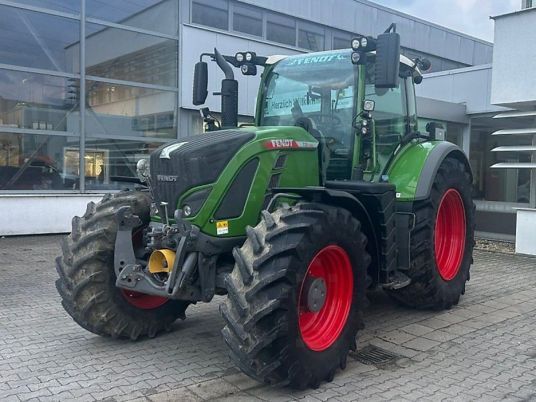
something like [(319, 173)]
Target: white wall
[(514, 60), (470, 86), (196, 41), (368, 18), (45, 213)]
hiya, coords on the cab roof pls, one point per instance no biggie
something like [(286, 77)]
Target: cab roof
[(277, 58)]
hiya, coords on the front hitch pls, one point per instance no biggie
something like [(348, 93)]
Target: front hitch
[(131, 274)]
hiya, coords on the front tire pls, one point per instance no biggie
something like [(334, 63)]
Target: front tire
[(442, 241), (87, 278), (280, 327)]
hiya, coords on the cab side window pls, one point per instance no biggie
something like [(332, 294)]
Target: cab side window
[(390, 113)]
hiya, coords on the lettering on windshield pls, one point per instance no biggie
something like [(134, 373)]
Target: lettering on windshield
[(296, 61)]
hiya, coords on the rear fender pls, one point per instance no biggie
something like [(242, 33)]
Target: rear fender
[(414, 169)]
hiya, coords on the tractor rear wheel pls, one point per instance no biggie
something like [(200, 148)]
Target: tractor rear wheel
[(442, 241), (295, 295), (87, 278)]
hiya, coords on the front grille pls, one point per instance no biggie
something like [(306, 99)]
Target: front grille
[(200, 160)]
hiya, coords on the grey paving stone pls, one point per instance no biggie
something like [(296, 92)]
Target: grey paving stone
[(421, 344), (482, 349), (440, 335), (417, 329)]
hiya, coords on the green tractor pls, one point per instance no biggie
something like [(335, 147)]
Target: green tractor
[(331, 192)]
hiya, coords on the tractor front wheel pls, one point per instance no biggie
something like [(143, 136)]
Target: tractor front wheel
[(295, 296), (87, 278), (442, 241)]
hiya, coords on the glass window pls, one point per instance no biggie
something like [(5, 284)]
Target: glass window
[(390, 114), (507, 185), (130, 56), (37, 40), (212, 13), (310, 37), (317, 93), (341, 43), (37, 162), (38, 102), (153, 15), (390, 108), (66, 6), (454, 134), (111, 163), (247, 20), (281, 29), (130, 111)]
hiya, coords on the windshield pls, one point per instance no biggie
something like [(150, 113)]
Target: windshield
[(316, 92)]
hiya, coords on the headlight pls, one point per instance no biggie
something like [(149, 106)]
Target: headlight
[(355, 44), (142, 170), (239, 57)]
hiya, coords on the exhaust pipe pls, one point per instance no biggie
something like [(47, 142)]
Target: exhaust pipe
[(229, 93)]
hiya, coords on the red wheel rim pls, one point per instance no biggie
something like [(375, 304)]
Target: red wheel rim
[(142, 300), (449, 236), (319, 330)]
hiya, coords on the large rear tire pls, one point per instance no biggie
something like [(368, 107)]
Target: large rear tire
[(87, 278), (442, 241), (295, 295)]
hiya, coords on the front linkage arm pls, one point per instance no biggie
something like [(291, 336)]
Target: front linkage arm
[(131, 274)]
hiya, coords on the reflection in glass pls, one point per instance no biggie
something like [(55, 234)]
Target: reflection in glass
[(111, 163), (38, 102), (37, 40), (66, 6), (130, 56), (154, 15), (37, 162), (130, 111)]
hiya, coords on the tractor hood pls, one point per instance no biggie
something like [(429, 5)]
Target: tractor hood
[(192, 161)]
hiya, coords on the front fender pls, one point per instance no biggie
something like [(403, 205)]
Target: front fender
[(415, 167)]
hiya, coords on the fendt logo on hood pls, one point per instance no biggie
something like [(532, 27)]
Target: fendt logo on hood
[(167, 178), (289, 144)]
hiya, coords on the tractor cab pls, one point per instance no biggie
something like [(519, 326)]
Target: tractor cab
[(359, 103), (338, 102)]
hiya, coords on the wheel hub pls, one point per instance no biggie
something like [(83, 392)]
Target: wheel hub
[(316, 293)]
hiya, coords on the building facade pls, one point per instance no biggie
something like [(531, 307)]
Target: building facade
[(87, 88)]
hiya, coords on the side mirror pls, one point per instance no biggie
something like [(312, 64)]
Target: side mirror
[(200, 83), (387, 60)]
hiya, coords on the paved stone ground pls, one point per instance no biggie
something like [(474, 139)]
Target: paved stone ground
[(484, 349)]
